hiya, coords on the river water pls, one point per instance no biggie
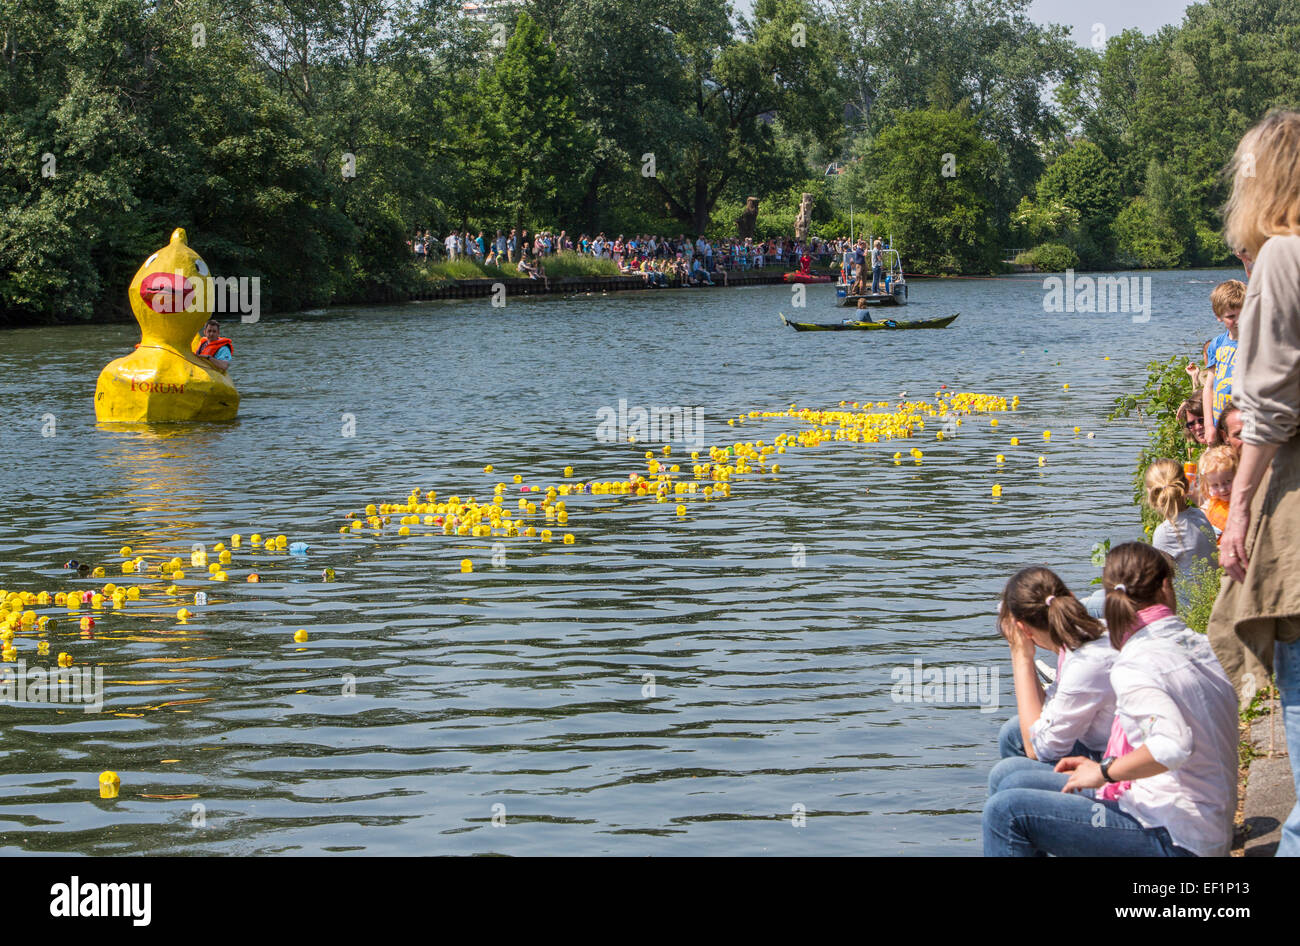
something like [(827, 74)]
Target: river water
[(722, 682)]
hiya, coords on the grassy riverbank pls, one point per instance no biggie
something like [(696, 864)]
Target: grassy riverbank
[(557, 266)]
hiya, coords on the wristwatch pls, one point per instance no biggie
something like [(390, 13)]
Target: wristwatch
[(1105, 768)]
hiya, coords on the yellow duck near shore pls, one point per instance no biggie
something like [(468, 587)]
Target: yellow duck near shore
[(163, 381)]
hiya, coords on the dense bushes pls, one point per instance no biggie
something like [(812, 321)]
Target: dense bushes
[(1049, 258)]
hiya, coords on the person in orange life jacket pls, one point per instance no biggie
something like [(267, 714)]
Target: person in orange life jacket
[(213, 348)]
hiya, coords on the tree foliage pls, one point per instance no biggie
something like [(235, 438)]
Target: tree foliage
[(930, 191), (303, 141), (532, 151)]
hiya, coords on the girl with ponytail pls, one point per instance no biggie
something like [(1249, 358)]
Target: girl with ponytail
[(1168, 784), (1186, 534), (1073, 716)]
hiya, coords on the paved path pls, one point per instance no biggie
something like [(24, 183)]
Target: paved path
[(1270, 787)]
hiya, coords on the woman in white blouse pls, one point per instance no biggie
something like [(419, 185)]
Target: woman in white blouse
[(1167, 786), (1072, 717)]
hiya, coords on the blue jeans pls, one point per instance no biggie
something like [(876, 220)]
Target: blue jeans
[(1024, 772), (1286, 664), (1037, 822), (1011, 744), (875, 278), (1095, 604)]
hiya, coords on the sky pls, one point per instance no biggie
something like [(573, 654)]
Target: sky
[(1115, 16)]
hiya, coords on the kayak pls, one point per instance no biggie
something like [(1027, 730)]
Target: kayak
[(807, 278), (855, 325)]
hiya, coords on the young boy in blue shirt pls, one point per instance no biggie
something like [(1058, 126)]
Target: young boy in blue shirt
[(1226, 300)]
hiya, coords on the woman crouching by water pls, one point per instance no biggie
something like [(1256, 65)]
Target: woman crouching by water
[(1073, 717), (1168, 784)]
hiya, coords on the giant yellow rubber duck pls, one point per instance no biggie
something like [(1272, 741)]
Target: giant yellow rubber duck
[(162, 381)]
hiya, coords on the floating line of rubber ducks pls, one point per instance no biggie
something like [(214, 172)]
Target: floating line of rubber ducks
[(709, 477), (711, 473)]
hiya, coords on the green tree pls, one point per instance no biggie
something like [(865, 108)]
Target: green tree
[(623, 53), (728, 87), (1038, 221), (534, 153), (930, 190), (912, 54), (1145, 236), (1085, 180), (75, 133), (1109, 102)]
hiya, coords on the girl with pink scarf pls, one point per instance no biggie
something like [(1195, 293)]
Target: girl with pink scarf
[(1167, 786)]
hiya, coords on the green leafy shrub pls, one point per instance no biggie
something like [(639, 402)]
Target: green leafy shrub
[(1050, 258), (1197, 593), (1167, 386), (1145, 238)]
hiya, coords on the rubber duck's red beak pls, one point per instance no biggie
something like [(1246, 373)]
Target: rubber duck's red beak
[(166, 292)]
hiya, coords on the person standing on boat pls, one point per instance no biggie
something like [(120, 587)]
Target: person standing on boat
[(877, 264)]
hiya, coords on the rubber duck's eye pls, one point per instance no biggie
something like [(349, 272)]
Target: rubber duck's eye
[(150, 260), (201, 266)]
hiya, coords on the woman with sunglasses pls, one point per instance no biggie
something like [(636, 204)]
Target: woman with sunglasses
[(1191, 418)]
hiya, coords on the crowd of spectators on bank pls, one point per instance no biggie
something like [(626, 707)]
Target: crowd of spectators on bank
[(661, 260)]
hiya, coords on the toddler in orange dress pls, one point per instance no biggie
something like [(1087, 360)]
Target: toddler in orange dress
[(1216, 471)]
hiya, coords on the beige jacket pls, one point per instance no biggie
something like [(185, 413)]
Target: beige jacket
[(1251, 616)]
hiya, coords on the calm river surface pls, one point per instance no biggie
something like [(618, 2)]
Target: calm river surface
[(525, 686)]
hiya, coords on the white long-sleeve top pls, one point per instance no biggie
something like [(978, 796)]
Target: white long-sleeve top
[(1080, 704), (1172, 696)]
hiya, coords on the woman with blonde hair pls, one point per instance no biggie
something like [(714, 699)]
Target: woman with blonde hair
[(1255, 627)]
